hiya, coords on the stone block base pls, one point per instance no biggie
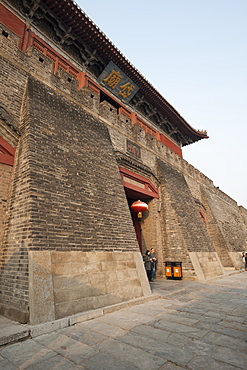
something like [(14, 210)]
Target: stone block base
[(206, 264), (14, 313), (66, 283), (236, 258)]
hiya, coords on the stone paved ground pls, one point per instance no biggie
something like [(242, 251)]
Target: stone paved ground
[(194, 326)]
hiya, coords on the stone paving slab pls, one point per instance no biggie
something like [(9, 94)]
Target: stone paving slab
[(132, 355), (231, 357), (190, 326), (156, 347), (70, 348), (104, 361), (208, 363), (11, 331), (22, 354)]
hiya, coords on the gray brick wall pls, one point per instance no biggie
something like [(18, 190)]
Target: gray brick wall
[(67, 192), (188, 219), (66, 189)]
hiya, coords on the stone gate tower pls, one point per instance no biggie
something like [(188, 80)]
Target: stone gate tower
[(83, 135)]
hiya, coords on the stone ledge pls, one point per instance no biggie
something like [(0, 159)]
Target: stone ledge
[(133, 302), (14, 313), (88, 315), (48, 327), (14, 332), (227, 273), (84, 316)]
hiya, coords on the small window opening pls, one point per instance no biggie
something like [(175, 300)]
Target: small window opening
[(92, 95), (202, 216), (4, 33), (105, 97), (69, 79), (41, 60)]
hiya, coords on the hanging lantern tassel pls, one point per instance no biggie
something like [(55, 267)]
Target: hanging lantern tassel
[(139, 207)]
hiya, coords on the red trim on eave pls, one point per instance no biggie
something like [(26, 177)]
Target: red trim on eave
[(158, 135), (6, 159), (7, 153), (153, 193), (28, 38), (170, 144), (96, 38), (12, 22), (6, 148), (89, 32), (126, 112)]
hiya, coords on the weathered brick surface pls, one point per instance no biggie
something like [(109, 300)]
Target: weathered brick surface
[(12, 80), (185, 231), (5, 175), (74, 178), (152, 234), (183, 203), (14, 257), (216, 235), (67, 189), (65, 193), (229, 221), (243, 215)]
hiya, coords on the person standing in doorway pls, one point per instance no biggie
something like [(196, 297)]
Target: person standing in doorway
[(148, 267), (243, 259), (153, 264)]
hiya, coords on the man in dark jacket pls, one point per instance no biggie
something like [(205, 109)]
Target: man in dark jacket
[(153, 263), (148, 265)]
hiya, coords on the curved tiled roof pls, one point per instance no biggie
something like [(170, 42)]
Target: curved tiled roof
[(81, 25)]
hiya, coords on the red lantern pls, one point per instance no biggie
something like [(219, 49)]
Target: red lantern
[(139, 207)]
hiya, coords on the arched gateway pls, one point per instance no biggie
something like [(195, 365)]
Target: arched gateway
[(138, 187)]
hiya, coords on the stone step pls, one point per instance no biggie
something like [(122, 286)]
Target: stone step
[(11, 331)]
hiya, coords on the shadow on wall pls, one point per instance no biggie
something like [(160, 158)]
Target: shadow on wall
[(14, 281)]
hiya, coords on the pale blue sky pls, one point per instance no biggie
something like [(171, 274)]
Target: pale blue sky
[(194, 53)]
